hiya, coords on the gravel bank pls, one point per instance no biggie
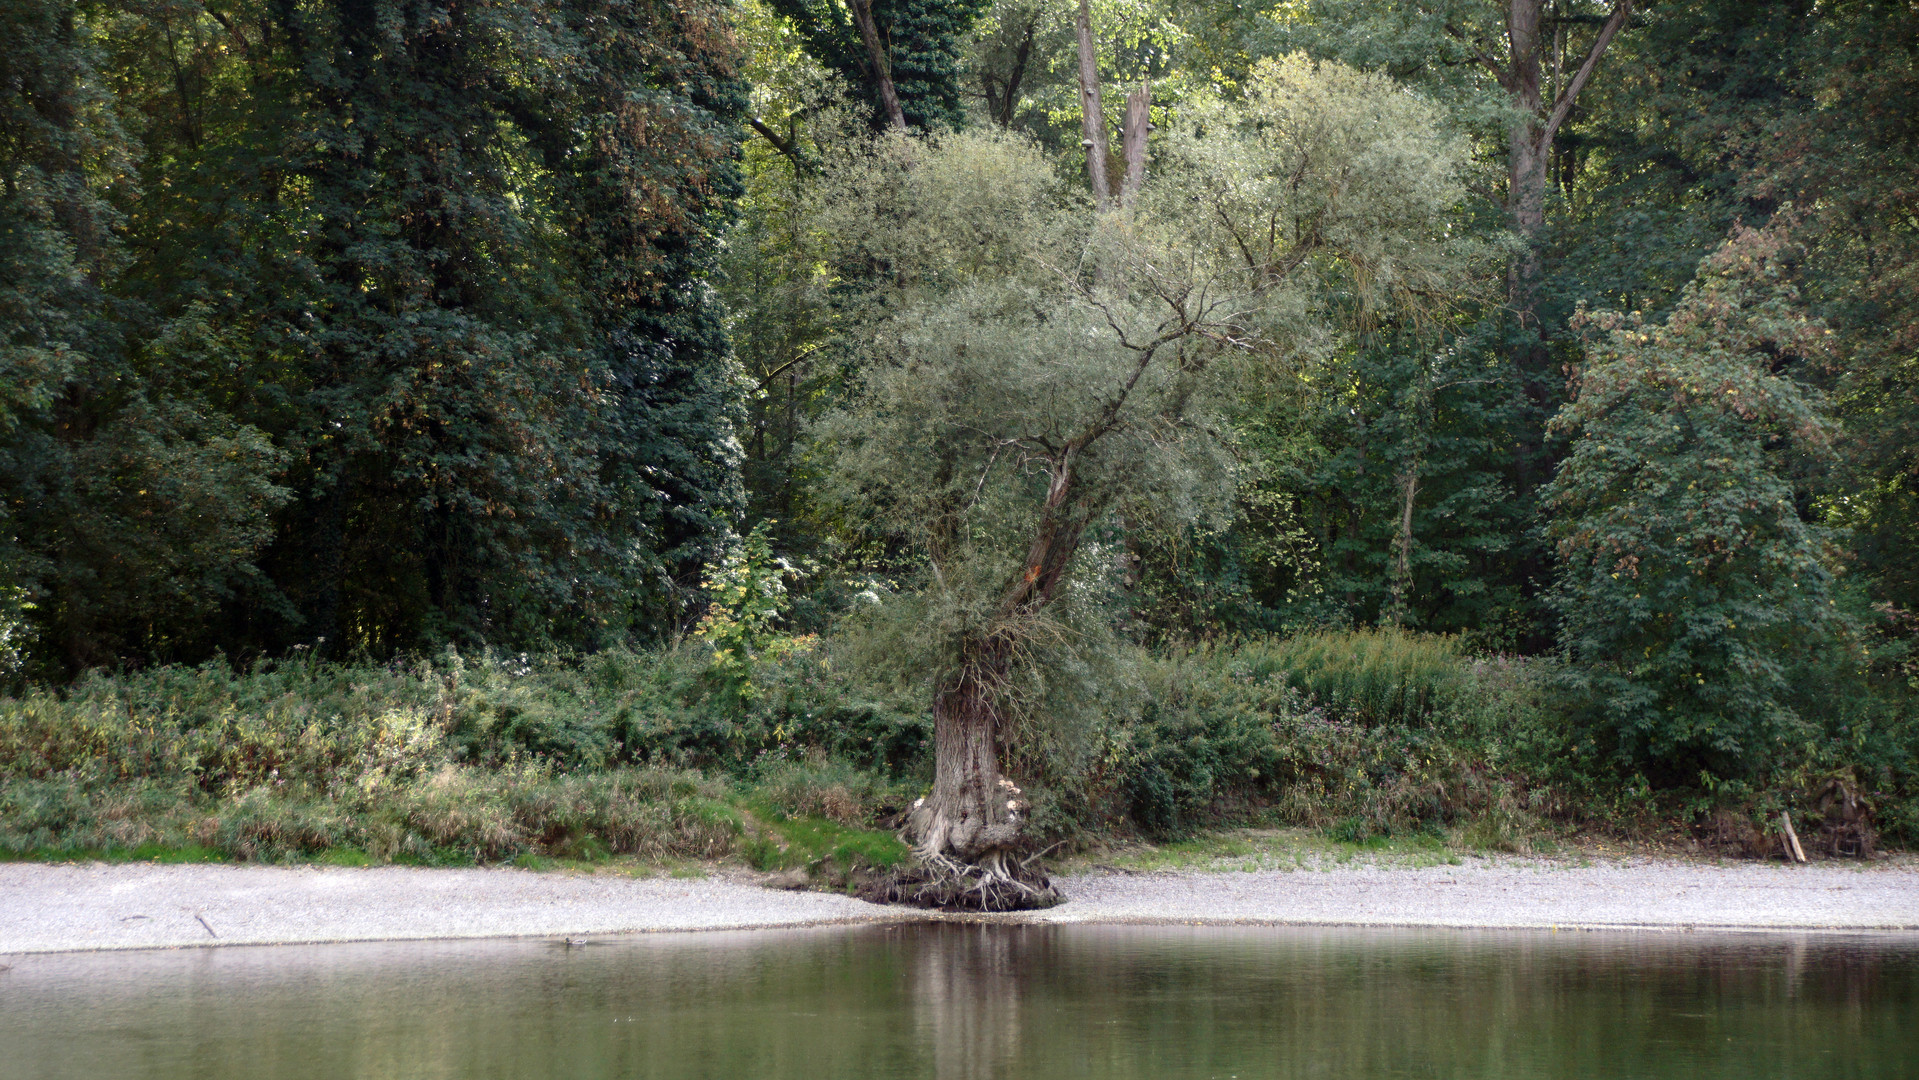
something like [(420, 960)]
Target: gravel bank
[(143, 906), (1641, 894), (60, 908)]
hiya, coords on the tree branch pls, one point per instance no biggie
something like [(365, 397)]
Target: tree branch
[(1479, 55), (246, 50), (781, 370), (784, 146), (1622, 10)]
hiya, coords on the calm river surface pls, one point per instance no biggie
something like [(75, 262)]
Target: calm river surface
[(954, 1000)]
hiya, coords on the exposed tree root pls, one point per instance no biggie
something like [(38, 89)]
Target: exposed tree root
[(997, 882)]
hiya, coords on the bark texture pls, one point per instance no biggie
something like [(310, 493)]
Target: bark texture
[(1092, 111), (1139, 109), (876, 56), (973, 812)]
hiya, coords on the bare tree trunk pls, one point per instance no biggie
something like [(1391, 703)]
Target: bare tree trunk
[(1396, 605), (971, 815), (1139, 110), (1526, 176), (1531, 142), (1092, 110), (1528, 153), (876, 56)]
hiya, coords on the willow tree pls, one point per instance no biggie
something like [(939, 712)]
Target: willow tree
[(1032, 366)]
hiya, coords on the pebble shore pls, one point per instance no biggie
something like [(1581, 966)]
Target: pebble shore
[(60, 908)]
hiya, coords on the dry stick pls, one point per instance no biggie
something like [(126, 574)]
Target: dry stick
[(203, 922), (1040, 854), (1792, 838)]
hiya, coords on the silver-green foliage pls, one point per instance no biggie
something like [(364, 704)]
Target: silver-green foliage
[(1030, 368)]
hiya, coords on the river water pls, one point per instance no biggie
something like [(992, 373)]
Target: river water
[(960, 1000)]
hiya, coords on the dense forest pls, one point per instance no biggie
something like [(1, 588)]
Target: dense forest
[(1385, 411)]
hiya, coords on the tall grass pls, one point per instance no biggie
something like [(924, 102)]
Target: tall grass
[(1371, 677)]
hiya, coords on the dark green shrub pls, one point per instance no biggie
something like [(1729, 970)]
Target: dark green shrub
[(1203, 738), (1692, 583)]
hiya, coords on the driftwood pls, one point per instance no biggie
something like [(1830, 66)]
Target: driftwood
[(1794, 852)]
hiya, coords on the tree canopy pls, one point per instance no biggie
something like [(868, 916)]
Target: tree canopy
[(378, 323)]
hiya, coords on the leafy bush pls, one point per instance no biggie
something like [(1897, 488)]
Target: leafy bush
[(1414, 737), (1204, 735)]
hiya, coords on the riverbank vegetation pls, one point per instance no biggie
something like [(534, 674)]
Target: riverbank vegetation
[(560, 429), (805, 763)]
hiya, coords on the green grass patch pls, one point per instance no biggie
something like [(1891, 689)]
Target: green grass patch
[(346, 856), (806, 842), (1249, 850)]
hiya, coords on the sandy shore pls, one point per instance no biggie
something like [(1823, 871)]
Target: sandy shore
[(134, 906)]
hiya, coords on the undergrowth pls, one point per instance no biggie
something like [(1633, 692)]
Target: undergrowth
[(1362, 737)]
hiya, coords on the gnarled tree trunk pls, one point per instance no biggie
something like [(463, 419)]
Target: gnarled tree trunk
[(967, 831), (972, 812)]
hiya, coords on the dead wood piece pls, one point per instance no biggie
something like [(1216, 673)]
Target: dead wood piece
[(1793, 850)]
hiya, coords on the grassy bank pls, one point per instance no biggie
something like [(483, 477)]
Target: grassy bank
[(660, 756)]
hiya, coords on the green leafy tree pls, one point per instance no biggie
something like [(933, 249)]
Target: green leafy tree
[(1370, 491), (370, 320), (136, 505), (746, 585), (1692, 582)]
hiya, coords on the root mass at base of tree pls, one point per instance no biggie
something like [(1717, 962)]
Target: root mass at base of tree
[(998, 883)]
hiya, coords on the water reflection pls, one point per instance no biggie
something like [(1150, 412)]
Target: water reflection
[(964, 1001)]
